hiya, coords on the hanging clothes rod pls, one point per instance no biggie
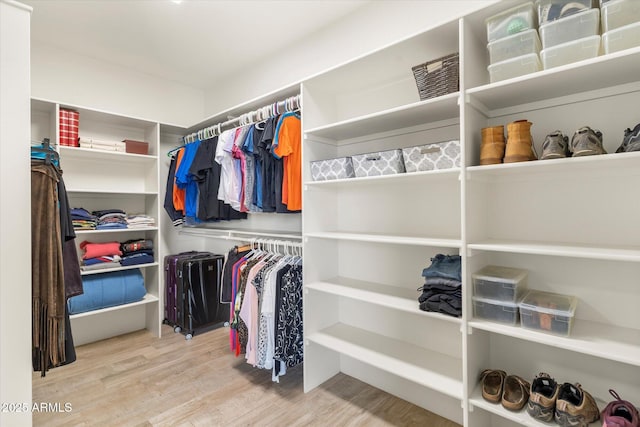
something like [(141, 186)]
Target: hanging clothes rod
[(241, 235), (291, 104)]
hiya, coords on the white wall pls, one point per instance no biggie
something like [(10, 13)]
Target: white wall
[(370, 27), (66, 77), (15, 220)]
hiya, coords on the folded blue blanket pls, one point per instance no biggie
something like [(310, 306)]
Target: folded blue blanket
[(108, 290)]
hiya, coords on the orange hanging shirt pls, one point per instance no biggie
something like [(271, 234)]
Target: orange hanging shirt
[(179, 194), (290, 149)]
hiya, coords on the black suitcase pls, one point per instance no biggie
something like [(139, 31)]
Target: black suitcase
[(171, 287), (198, 294)]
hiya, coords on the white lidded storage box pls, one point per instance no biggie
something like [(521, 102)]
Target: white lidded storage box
[(325, 170), (500, 283), (511, 21), (619, 13), (623, 38), (551, 10), (548, 312), (381, 163), (515, 67), (574, 27), (439, 155), (497, 311), (567, 53), (513, 46)]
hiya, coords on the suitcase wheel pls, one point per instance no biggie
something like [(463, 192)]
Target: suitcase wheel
[(177, 329), (188, 337)]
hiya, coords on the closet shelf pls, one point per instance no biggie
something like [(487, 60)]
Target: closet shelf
[(431, 369), (418, 113), (239, 235), (401, 178), (119, 230), (90, 154), (397, 298), (573, 250), (128, 267), (562, 81), (148, 298), (385, 238), (614, 163), (91, 191), (521, 417), (587, 337)]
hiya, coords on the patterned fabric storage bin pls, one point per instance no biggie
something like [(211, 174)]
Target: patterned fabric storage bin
[(325, 170), (440, 155), (380, 163)]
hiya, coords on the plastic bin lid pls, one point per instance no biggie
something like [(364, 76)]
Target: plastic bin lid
[(549, 303), (495, 302), (507, 274), (523, 7)]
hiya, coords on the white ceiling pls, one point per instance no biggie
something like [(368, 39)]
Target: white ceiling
[(195, 42)]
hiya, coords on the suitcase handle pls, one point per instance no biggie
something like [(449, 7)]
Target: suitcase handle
[(372, 158)]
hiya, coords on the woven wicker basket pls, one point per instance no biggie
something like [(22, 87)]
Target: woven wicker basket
[(438, 77)]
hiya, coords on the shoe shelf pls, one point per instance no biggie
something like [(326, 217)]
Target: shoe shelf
[(406, 116), (399, 179), (587, 337), (520, 417), (602, 72), (393, 297), (430, 369), (610, 253), (602, 165), (384, 238), (128, 267)]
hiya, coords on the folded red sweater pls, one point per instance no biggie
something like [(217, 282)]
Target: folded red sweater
[(94, 250)]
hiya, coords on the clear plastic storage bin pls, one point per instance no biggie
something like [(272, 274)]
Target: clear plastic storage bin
[(511, 21), (574, 27), (548, 312), (515, 67), (567, 53), (621, 38), (513, 46), (500, 283), (497, 311), (551, 10), (619, 13)]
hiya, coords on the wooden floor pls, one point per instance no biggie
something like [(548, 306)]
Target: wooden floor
[(139, 380)]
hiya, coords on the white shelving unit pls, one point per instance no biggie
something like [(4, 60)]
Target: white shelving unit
[(97, 180), (568, 221)]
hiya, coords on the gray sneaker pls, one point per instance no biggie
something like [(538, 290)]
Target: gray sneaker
[(586, 142), (555, 146), (631, 140)]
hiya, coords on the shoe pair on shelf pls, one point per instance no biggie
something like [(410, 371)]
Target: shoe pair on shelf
[(568, 404), (620, 413), (585, 142), (510, 390), (517, 148)]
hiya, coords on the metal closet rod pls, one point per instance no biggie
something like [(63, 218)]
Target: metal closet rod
[(293, 103)]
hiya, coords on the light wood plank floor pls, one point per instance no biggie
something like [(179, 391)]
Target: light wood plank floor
[(139, 380)]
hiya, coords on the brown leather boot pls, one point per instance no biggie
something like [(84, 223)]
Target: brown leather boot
[(492, 146), (519, 142)]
